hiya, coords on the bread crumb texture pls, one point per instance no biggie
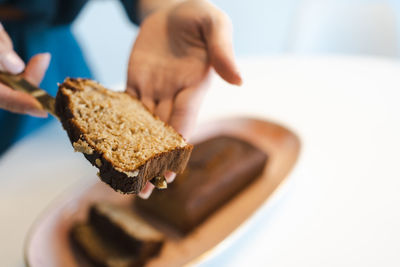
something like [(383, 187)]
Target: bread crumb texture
[(117, 126)]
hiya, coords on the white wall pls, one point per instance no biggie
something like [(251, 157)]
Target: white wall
[(106, 36), (260, 27), (345, 27)]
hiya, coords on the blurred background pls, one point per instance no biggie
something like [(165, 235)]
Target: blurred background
[(314, 227), (261, 27)]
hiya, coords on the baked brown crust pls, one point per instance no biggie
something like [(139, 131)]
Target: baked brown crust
[(174, 160), (219, 168), (116, 232), (92, 249)]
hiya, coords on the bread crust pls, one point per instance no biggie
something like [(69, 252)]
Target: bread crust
[(174, 160), (115, 232), (86, 241)]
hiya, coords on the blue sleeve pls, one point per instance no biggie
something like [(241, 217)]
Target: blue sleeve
[(131, 8)]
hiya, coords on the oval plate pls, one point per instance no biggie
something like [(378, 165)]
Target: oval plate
[(48, 241)]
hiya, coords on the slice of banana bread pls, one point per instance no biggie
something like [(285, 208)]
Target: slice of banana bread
[(119, 135), (115, 236), (93, 247), (120, 225)]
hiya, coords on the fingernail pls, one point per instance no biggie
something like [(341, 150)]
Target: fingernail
[(145, 195), (46, 58), (37, 113), (146, 192), (13, 63), (170, 176)]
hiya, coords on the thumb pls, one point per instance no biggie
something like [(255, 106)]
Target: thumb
[(37, 67), (218, 35)]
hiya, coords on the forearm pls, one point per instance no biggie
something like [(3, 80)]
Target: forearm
[(147, 7)]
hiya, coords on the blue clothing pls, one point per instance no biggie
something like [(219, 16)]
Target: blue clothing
[(45, 27)]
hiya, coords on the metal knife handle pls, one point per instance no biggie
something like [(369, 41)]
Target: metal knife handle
[(18, 83)]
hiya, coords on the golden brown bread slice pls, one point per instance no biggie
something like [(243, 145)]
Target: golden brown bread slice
[(118, 135)]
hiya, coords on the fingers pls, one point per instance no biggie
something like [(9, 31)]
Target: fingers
[(132, 91), (37, 67), (146, 192), (9, 60), (142, 84), (169, 176), (218, 34), (164, 109), (186, 106), (19, 102), (149, 187), (149, 103)]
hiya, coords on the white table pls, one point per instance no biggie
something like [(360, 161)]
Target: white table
[(341, 205)]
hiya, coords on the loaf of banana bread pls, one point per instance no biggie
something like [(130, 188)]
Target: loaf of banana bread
[(218, 169)]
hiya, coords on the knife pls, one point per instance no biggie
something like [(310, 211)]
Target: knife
[(18, 83)]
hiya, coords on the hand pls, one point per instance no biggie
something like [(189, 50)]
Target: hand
[(171, 59), (16, 101)]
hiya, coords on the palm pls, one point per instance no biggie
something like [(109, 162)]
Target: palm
[(171, 59), (168, 62)]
